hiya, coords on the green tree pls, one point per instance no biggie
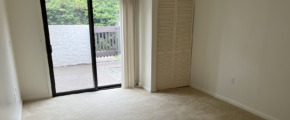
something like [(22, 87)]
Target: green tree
[(75, 12)]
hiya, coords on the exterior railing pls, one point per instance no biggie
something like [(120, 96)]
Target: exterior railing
[(107, 39)]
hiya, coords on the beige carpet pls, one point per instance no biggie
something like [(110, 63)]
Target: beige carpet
[(135, 104)]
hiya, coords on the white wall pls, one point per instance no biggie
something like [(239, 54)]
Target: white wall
[(70, 44), (30, 57), (10, 101), (248, 40), (145, 43)]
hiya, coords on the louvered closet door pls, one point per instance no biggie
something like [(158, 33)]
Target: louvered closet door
[(175, 21), (165, 38), (184, 23)]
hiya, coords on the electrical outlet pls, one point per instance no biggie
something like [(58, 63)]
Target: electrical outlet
[(233, 80)]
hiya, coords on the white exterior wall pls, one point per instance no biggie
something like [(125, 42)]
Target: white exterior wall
[(70, 44)]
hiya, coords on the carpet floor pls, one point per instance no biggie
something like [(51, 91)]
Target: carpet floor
[(135, 104)]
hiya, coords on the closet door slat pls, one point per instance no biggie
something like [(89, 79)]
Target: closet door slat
[(165, 38), (183, 42)]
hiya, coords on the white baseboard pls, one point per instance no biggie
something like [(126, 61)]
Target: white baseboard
[(258, 113), (148, 89), (36, 97)]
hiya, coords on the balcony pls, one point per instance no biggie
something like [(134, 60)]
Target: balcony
[(72, 56)]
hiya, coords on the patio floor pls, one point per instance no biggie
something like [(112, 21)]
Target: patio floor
[(80, 76)]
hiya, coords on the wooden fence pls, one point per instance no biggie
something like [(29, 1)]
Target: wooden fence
[(107, 39)]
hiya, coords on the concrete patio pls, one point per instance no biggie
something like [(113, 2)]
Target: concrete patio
[(78, 77)]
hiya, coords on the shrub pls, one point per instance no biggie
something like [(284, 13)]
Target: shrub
[(75, 12)]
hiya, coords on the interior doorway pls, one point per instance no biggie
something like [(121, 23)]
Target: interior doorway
[(83, 44)]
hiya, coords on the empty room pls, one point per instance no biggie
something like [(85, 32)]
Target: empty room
[(144, 60)]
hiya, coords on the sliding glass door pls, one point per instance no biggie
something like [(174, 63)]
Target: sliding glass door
[(75, 43)]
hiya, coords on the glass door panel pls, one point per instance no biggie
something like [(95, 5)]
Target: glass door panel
[(69, 33), (106, 17)]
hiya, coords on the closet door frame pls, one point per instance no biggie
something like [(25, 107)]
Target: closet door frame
[(174, 52)]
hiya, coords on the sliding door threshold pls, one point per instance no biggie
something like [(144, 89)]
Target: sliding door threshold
[(109, 87), (88, 90)]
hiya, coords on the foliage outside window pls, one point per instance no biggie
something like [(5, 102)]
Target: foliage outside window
[(75, 12)]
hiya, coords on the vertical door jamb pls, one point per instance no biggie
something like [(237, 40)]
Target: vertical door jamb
[(92, 40), (48, 46)]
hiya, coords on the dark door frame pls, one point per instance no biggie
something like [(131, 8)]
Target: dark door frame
[(93, 54)]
